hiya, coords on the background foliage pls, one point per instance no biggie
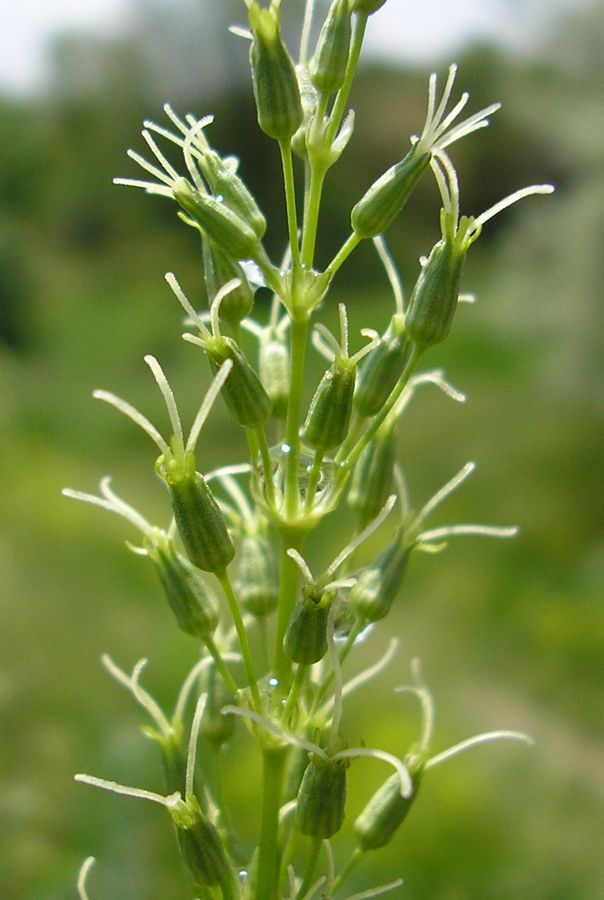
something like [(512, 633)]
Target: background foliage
[(510, 635)]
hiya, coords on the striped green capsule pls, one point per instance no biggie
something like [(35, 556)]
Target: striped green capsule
[(258, 589), (371, 482), (218, 220), (328, 66), (191, 599), (328, 417), (224, 182), (386, 197), (200, 523), (305, 640), (381, 369), (274, 79), (377, 586), (434, 298), (379, 821), (246, 399), (200, 844), (274, 371), (220, 268), (320, 807)]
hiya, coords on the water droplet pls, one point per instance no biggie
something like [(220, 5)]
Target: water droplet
[(285, 449), (219, 198), (273, 682), (243, 874)]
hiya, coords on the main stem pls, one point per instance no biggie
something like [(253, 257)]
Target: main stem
[(273, 768)]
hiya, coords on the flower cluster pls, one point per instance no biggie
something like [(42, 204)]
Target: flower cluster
[(230, 555)]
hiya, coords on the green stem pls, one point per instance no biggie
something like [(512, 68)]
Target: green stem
[(339, 106), (310, 868), (298, 342), (349, 867), (227, 587), (311, 218), (290, 200), (221, 665), (273, 768), (294, 693), (267, 466), (343, 253), (288, 591), (313, 480)]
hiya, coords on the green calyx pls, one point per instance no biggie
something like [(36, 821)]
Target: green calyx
[(222, 224), (434, 299), (320, 807), (328, 417), (386, 811), (378, 585), (190, 598), (305, 640), (247, 401), (328, 66), (200, 844), (386, 197), (382, 368), (274, 77)]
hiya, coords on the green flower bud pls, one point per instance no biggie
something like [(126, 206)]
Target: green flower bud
[(377, 585), (386, 197), (320, 807), (220, 268), (258, 590), (371, 482), (245, 397), (328, 67), (215, 727), (381, 369), (273, 364), (274, 78), (218, 220), (305, 640), (224, 182), (377, 824), (328, 416), (434, 298), (199, 521), (367, 6), (190, 598), (200, 844)]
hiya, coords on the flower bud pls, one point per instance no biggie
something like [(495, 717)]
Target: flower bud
[(199, 521), (220, 268), (305, 640), (258, 591), (190, 598), (434, 298), (377, 824), (381, 369), (328, 416), (371, 482), (367, 6), (224, 182), (274, 78), (273, 364), (218, 220), (386, 197), (377, 585), (320, 807), (328, 67), (200, 844), (245, 397), (215, 727)]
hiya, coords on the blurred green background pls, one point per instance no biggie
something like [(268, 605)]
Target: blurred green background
[(510, 634)]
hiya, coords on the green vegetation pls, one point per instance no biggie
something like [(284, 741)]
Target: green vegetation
[(509, 634)]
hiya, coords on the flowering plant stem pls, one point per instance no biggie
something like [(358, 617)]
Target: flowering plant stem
[(245, 525)]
